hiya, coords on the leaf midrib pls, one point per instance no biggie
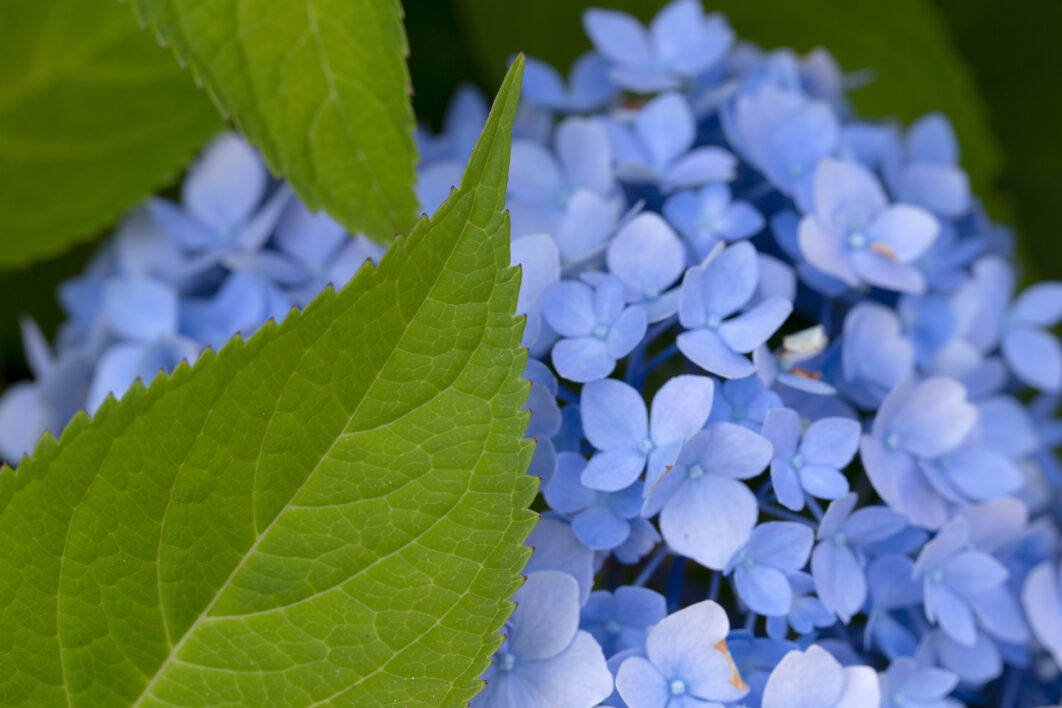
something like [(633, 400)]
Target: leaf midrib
[(205, 613)]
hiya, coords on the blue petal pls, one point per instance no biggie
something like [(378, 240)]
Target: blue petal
[(666, 126), (751, 329), (585, 153), (140, 308), (680, 408), (618, 36), (729, 280), (546, 616), (706, 349), (1035, 357), (225, 184), (534, 176), (709, 519), (566, 494), (640, 684), (704, 164), (646, 255), (583, 359), (568, 307), (626, 332), (600, 528), (613, 470), (781, 544), (839, 579), (1040, 305), (812, 679), (614, 415), (764, 589), (831, 441)]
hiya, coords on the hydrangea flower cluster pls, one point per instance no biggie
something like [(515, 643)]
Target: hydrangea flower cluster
[(795, 425)]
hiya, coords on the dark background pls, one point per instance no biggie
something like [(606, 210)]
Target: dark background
[(1005, 97)]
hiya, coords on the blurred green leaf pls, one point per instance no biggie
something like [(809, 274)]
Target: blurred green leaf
[(319, 86), (1012, 52), (329, 513), (93, 118), (916, 68)]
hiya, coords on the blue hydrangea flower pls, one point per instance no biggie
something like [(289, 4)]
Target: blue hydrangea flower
[(906, 684), (628, 439), (546, 660), (784, 133), (1032, 353), (596, 327), (809, 461), (875, 356), (686, 664), (814, 679), (916, 422), (123, 363), (838, 561), (951, 574), (647, 256), (680, 44), (717, 338), (222, 209), (600, 519), (924, 168), (589, 85), (658, 147), (974, 665), (620, 620), (761, 567), (806, 613), (855, 235), (743, 402), (570, 194), (706, 511), (710, 215)]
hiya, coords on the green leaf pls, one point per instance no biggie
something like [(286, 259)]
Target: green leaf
[(915, 67), (93, 118), (331, 512), (320, 86)]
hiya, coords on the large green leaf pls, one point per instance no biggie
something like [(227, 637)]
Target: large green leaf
[(93, 117), (331, 512), (915, 67), (320, 86)]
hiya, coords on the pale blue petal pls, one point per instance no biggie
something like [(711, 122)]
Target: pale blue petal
[(626, 332), (730, 279), (706, 349), (1035, 357), (614, 415), (680, 408), (812, 679), (781, 544), (546, 617), (585, 153), (764, 589), (831, 441), (701, 165), (583, 359), (751, 329), (1040, 305), (534, 176), (600, 528), (566, 493), (666, 127), (709, 519), (568, 307), (839, 579), (640, 684), (823, 482), (618, 36), (225, 184), (613, 470), (646, 255), (139, 308)]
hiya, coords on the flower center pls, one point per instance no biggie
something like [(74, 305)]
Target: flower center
[(612, 627), (601, 331), (713, 321), (695, 471), (892, 441), (797, 461), (937, 576), (840, 539), (738, 413), (506, 662), (646, 446), (857, 240), (677, 687)]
